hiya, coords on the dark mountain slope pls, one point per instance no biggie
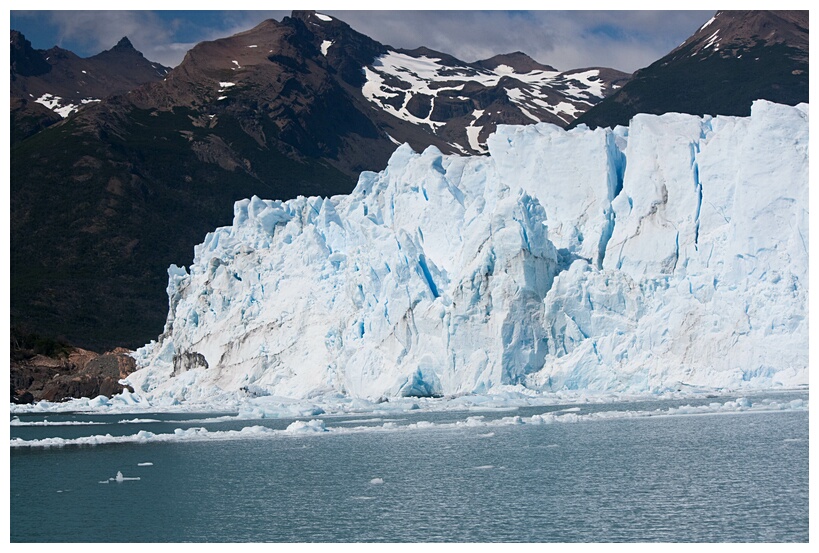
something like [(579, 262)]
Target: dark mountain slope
[(104, 202), (734, 59)]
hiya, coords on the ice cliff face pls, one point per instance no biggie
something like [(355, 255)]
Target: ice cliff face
[(672, 253)]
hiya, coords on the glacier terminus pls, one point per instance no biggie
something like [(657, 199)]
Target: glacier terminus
[(669, 255)]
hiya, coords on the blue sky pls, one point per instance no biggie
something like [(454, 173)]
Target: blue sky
[(625, 40)]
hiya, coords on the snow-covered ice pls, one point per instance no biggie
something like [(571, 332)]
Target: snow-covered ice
[(669, 255)]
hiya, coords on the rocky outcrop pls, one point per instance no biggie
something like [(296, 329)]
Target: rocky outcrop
[(186, 361), (80, 373)]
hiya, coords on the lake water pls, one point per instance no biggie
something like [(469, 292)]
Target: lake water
[(711, 477)]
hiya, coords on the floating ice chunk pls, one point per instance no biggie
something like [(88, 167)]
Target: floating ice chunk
[(145, 464), (98, 402), (306, 427), (124, 399), (474, 421), (422, 424), (484, 467), (119, 478), (487, 435), (15, 421), (359, 421), (376, 481)]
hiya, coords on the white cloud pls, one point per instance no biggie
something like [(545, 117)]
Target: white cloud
[(566, 40)]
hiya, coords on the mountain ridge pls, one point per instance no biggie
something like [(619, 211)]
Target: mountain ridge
[(62, 82)]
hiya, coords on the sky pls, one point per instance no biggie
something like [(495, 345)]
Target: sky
[(624, 40)]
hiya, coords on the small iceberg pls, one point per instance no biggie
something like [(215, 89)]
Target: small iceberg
[(120, 478)]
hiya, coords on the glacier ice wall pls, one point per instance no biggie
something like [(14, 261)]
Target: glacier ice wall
[(669, 254)]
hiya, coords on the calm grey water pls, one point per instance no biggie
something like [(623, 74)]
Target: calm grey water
[(707, 478)]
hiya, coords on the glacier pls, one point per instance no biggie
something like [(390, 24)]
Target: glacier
[(667, 256)]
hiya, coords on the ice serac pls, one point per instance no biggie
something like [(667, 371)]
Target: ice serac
[(428, 279), (575, 175), (704, 280), (667, 255)]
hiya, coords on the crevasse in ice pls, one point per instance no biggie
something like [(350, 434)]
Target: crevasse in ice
[(666, 255)]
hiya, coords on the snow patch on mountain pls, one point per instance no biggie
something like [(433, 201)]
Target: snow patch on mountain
[(58, 105), (668, 255), (408, 87), (708, 23)]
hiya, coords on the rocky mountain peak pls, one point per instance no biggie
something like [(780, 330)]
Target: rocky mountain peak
[(312, 17), (124, 44), (518, 61), (729, 33), (26, 61)]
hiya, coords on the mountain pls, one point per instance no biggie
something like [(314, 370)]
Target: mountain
[(104, 201), (681, 266), (62, 82), (736, 57), (463, 103)]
